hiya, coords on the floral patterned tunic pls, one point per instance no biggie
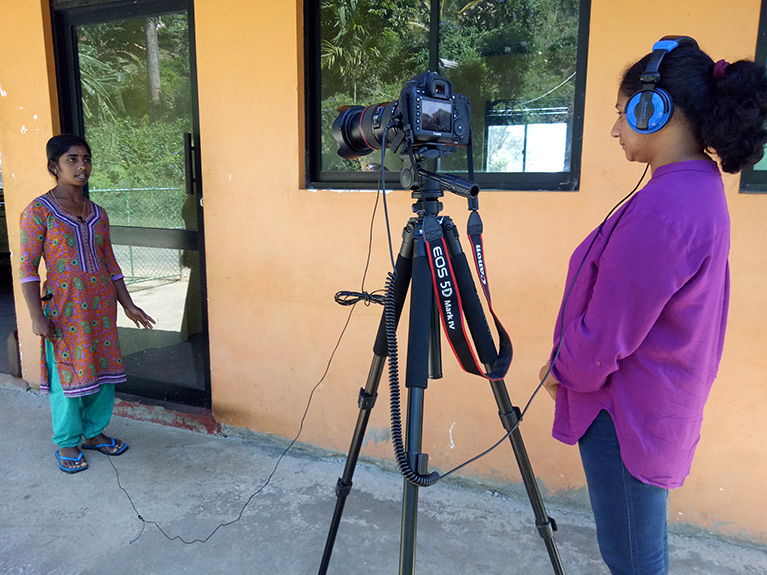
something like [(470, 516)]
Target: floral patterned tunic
[(81, 268)]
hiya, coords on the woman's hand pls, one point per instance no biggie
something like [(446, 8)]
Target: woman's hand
[(551, 384), (134, 313), (43, 327), (138, 316)]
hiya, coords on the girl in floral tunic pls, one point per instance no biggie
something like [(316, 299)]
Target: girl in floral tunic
[(77, 313)]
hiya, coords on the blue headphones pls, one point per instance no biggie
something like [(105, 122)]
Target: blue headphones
[(650, 109)]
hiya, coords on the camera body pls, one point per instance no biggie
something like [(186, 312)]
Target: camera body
[(433, 112), (427, 112)]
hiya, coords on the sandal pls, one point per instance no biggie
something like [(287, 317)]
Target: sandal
[(67, 469), (102, 447)]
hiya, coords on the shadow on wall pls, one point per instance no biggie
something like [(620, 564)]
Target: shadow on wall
[(9, 354)]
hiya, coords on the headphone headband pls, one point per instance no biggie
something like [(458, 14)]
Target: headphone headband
[(651, 75), (650, 109), (676, 41)]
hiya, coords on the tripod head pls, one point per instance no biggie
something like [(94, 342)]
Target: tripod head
[(424, 182)]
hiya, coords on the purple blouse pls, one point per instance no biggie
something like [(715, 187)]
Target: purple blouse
[(644, 323)]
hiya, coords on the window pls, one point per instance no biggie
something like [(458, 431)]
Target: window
[(754, 180), (521, 63)]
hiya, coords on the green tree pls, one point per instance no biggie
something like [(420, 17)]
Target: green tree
[(369, 48), (137, 106), (517, 53)]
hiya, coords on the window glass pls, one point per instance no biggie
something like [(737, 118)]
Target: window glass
[(754, 180), (137, 104), (521, 63), (368, 50)]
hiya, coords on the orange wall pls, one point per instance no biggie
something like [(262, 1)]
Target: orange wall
[(29, 116), (277, 253)]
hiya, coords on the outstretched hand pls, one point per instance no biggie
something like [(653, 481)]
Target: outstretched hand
[(138, 316)]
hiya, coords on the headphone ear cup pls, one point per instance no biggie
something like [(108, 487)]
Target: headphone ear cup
[(648, 111)]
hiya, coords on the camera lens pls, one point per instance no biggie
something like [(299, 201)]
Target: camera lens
[(359, 130), (427, 113)]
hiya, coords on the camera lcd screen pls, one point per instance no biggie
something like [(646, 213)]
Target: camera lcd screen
[(437, 115)]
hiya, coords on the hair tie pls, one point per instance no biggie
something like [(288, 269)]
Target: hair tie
[(720, 68)]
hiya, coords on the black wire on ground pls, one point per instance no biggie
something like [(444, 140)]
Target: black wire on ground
[(347, 298), (343, 298), (261, 488)]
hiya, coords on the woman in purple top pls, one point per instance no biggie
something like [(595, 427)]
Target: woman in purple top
[(641, 327)]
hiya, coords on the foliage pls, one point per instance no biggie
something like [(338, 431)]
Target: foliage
[(146, 157), (519, 50), (368, 45), (112, 59), (138, 171), (128, 154)]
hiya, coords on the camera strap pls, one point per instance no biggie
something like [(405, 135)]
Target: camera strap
[(451, 304), (474, 230)]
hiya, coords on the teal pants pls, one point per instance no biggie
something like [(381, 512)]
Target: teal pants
[(75, 417)]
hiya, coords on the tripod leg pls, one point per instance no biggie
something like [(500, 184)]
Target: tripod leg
[(368, 396), (366, 401), (419, 358), (508, 413), (418, 461), (546, 525)]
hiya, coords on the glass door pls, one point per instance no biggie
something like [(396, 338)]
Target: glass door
[(128, 85)]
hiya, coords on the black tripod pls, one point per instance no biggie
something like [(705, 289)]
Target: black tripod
[(423, 362)]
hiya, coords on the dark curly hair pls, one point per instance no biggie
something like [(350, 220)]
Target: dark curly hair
[(727, 114)]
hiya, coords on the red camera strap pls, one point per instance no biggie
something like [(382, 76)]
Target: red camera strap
[(451, 307)]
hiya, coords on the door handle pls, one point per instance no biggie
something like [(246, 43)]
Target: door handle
[(190, 175)]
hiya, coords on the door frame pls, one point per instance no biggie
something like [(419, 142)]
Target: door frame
[(66, 16)]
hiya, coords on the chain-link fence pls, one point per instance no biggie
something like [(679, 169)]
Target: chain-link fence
[(152, 266), (147, 208), (143, 207)]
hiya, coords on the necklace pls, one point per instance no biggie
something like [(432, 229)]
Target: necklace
[(80, 217)]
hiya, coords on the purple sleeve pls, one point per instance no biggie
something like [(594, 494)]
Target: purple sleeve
[(643, 264), (33, 233), (111, 261)]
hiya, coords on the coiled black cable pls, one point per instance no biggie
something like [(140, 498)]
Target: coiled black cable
[(394, 399), (353, 297)]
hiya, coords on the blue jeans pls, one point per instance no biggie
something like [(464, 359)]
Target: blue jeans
[(630, 515)]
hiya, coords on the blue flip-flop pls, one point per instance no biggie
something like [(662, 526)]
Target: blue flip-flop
[(66, 469), (102, 447)]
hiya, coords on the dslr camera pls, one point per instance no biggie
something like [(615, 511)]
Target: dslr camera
[(427, 112)]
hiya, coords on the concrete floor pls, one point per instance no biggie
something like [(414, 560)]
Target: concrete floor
[(186, 502)]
